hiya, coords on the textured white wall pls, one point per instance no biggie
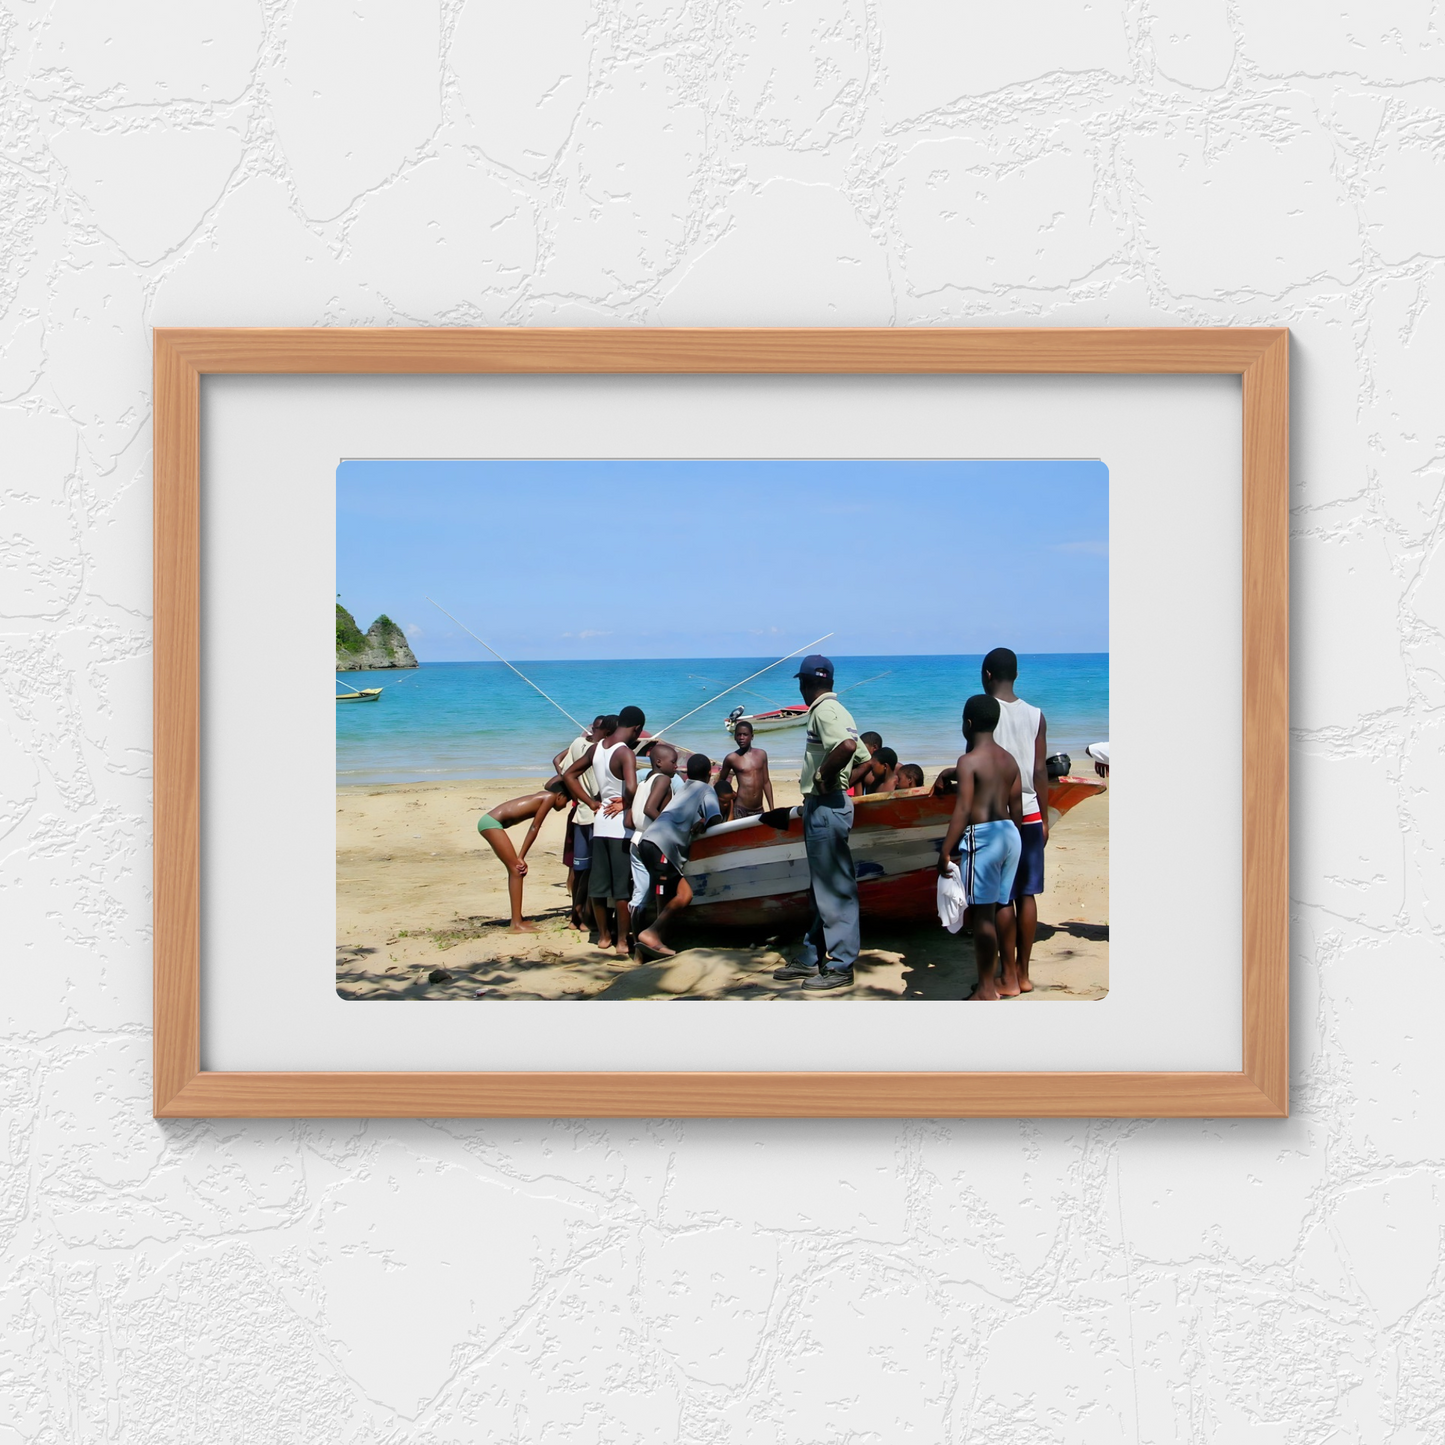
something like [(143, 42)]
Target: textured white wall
[(184, 162)]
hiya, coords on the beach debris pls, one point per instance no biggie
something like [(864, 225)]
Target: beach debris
[(439, 975)]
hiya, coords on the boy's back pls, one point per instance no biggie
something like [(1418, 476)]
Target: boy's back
[(985, 824), (997, 787)]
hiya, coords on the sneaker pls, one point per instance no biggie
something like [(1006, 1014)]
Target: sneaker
[(790, 971), (830, 978)]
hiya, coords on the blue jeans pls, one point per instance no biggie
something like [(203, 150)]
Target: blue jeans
[(832, 937)]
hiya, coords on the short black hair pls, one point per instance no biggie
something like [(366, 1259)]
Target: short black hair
[(631, 717), (699, 767), (742, 722), (887, 756), (609, 722), (556, 785), (600, 718), (1002, 663), (981, 712), (913, 772), (874, 740)]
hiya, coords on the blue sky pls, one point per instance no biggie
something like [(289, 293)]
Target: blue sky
[(624, 559)]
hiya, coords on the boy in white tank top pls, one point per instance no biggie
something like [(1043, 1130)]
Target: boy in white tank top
[(614, 766), (1022, 732)]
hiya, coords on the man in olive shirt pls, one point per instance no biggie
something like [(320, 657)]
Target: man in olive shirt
[(833, 750)]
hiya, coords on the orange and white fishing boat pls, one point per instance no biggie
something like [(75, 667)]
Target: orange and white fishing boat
[(747, 874), (763, 722)]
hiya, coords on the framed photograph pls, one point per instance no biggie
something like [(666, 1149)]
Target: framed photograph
[(729, 668)]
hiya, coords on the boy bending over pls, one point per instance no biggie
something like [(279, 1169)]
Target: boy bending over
[(493, 827), (665, 847)]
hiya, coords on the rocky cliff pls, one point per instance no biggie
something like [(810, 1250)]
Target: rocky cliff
[(383, 644)]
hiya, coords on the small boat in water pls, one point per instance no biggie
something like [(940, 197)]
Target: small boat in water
[(791, 715), (361, 694), (763, 722), (746, 874)]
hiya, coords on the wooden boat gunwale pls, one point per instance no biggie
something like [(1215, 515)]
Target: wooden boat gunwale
[(747, 874)]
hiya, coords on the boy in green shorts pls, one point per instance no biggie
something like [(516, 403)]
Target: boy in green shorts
[(493, 827)]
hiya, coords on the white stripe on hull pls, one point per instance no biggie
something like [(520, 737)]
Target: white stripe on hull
[(780, 868)]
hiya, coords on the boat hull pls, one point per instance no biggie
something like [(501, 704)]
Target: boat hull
[(747, 875), (369, 694), (771, 722)]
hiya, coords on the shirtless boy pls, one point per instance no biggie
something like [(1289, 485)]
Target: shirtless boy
[(493, 827), (986, 821), (749, 765), (869, 773), (886, 759)]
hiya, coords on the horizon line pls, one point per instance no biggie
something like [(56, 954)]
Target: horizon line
[(748, 657)]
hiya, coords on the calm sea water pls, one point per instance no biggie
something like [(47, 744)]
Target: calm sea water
[(479, 720)]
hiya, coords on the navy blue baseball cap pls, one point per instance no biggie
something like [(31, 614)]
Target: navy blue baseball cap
[(817, 666)]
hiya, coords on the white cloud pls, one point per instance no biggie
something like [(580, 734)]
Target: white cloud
[(412, 630)]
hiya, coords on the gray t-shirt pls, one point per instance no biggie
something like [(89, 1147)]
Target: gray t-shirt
[(671, 831)]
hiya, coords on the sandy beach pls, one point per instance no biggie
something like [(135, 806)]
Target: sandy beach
[(421, 913)]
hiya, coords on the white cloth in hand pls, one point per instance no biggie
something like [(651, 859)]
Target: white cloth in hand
[(952, 901)]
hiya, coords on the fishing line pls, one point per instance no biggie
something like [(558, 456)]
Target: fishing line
[(852, 685), (737, 685), (518, 670), (762, 697), (397, 683)]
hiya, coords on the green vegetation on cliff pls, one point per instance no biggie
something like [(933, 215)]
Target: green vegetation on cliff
[(349, 636), (382, 645), (388, 633)]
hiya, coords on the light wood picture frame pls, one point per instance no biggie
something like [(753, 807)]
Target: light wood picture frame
[(1259, 356)]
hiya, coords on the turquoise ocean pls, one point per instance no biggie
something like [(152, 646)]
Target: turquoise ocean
[(480, 720)]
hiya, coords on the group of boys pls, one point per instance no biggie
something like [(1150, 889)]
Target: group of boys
[(628, 842), (629, 838)]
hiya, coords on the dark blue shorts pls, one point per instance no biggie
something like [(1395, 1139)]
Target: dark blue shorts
[(1029, 880), (582, 848)]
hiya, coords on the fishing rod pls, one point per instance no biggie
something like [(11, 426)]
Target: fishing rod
[(737, 685), (517, 670)]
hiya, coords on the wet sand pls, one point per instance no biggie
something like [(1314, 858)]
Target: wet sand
[(421, 912)]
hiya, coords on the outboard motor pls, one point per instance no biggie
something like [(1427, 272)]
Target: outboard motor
[(734, 715), (1058, 766)]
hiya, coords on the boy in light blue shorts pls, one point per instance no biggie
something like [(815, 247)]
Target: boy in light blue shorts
[(985, 823)]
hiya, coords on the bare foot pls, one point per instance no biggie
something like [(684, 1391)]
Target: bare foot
[(1008, 985), (984, 993), (604, 943), (622, 950), (521, 926), (650, 941), (1024, 985)]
